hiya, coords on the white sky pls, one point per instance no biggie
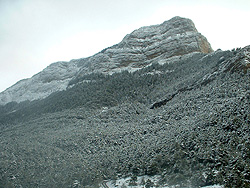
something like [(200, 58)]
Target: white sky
[(36, 33)]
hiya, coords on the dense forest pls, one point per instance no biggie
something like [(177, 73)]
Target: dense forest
[(186, 120), (97, 90)]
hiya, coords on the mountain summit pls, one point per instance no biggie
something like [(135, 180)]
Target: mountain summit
[(175, 37), (159, 109)]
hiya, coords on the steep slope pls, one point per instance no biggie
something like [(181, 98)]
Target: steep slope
[(53, 78), (183, 117), (106, 128), (175, 37)]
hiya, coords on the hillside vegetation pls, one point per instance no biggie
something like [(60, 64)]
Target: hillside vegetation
[(186, 120)]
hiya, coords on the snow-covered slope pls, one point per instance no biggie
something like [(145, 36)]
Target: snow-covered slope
[(177, 36), (53, 78)]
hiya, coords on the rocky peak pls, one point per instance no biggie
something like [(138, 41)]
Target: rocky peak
[(175, 37), (174, 26), (175, 32)]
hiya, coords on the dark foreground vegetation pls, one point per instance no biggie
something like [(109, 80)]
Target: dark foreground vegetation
[(186, 120)]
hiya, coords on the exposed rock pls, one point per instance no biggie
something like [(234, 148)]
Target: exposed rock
[(175, 37), (195, 134), (241, 61), (53, 78)]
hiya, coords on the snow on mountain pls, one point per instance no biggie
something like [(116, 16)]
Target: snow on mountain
[(175, 37)]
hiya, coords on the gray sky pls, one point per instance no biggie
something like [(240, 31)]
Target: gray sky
[(36, 33)]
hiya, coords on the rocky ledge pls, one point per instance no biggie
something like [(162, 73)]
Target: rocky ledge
[(175, 37)]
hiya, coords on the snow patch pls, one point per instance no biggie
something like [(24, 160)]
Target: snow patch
[(141, 182)]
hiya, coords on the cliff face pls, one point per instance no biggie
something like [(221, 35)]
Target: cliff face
[(175, 37), (184, 116)]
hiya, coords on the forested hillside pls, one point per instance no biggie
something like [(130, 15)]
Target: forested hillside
[(186, 120), (146, 86)]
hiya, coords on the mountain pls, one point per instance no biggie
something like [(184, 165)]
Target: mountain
[(175, 37), (160, 105)]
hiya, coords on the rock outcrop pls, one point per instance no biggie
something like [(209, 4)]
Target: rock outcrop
[(175, 37), (53, 78)]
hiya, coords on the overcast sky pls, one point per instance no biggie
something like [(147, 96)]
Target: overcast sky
[(36, 33)]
